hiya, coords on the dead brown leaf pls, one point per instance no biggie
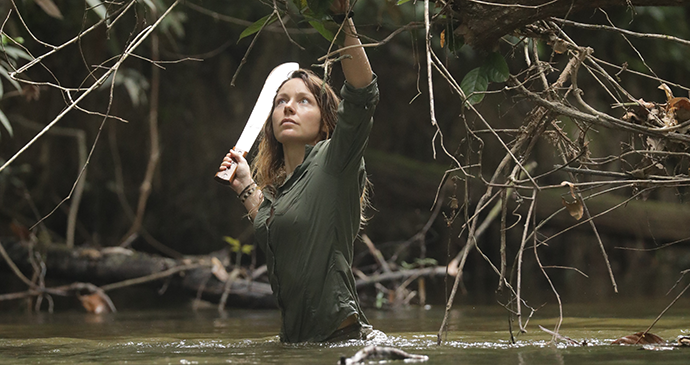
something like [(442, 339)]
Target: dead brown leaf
[(576, 207), (639, 338), (559, 46)]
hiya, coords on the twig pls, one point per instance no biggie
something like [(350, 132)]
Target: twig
[(154, 157), (251, 46), (14, 268), (566, 268), (520, 6), (138, 40), (152, 277), (376, 253), (228, 285), (620, 30), (400, 274), (655, 248), (429, 73), (412, 25), (519, 259), (553, 288), (664, 311)]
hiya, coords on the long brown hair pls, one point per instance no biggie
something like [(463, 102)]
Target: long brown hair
[(268, 167), (269, 163)]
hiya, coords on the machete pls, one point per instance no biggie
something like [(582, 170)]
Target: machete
[(259, 115)]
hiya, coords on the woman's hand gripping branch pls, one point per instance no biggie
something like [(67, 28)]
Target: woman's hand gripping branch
[(356, 67)]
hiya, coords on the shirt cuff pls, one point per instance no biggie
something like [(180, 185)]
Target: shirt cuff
[(367, 95)]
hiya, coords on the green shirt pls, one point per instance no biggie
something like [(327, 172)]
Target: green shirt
[(307, 227)]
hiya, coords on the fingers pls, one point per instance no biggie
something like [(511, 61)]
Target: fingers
[(231, 158), (242, 176)]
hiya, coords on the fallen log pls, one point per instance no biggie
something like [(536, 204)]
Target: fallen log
[(115, 268)]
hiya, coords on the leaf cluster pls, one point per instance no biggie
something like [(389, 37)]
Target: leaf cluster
[(314, 12), (11, 53), (476, 81)]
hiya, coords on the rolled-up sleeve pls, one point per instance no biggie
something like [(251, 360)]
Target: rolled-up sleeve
[(355, 120)]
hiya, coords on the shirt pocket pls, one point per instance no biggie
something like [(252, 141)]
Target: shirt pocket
[(289, 199)]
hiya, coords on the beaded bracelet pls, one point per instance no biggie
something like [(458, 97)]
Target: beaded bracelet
[(247, 192)]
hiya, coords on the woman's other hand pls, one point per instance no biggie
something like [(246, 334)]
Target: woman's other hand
[(340, 6)]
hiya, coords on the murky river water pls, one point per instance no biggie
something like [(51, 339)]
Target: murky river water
[(477, 335)]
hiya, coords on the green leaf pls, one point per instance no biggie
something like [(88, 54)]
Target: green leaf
[(5, 74), (400, 2), (98, 8), (322, 30), (300, 4), (319, 7), (16, 53), (233, 242), (380, 299), (5, 122), (496, 68), (6, 40), (247, 249), (475, 81), (268, 19)]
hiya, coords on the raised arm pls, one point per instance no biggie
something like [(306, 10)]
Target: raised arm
[(356, 68)]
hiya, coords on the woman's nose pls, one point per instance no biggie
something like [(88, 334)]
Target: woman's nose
[(288, 109)]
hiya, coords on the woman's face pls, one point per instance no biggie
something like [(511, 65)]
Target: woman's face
[(296, 115)]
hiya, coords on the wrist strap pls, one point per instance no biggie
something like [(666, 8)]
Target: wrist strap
[(339, 18)]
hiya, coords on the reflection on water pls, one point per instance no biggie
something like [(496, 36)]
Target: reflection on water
[(477, 335)]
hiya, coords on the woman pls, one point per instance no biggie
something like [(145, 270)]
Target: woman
[(305, 196)]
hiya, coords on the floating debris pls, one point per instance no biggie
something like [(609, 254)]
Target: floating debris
[(373, 353), (639, 338)]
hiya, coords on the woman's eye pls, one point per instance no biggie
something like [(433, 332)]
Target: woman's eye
[(304, 101), (280, 101)]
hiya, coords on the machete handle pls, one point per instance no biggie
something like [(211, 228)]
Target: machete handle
[(226, 176)]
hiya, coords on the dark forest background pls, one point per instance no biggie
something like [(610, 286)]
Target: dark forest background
[(200, 115)]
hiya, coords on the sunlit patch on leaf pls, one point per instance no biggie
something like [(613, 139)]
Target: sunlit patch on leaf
[(233, 242), (247, 249)]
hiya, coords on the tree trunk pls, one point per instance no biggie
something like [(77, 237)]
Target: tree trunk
[(483, 23)]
